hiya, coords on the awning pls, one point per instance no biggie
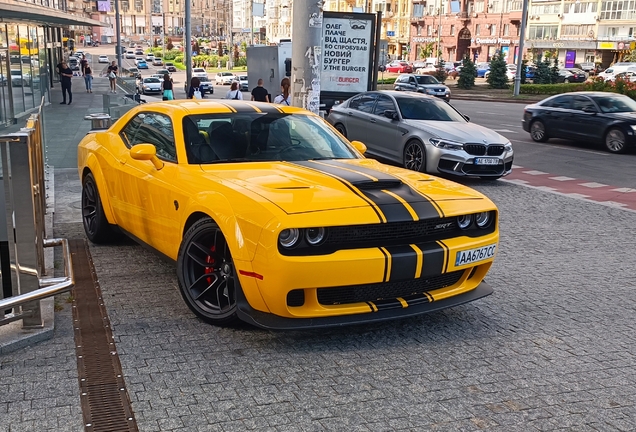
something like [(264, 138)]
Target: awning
[(32, 13)]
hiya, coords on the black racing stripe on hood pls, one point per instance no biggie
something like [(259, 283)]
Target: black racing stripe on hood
[(433, 262), (403, 262), (424, 207), (392, 209), (240, 108)]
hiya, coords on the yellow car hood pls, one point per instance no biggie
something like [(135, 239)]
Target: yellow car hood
[(310, 186)]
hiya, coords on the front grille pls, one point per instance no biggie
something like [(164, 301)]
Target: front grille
[(471, 169), (482, 150), (386, 290)]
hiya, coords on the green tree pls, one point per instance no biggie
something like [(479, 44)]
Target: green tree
[(467, 74), (542, 74), (244, 46), (554, 71), (524, 70), (426, 50), (497, 77), (440, 72)]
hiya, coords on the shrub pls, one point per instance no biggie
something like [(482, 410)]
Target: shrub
[(440, 73), (549, 89), (542, 73), (467, 74), (554, 71), (524, 68), (386, 81), (497, 77)]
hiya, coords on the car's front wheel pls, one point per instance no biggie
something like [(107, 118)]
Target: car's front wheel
[(96, 226), (538, 132), (415, 156), (615, 141), (340, 128), (206, 273)]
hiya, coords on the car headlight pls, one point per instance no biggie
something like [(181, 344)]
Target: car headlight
[(315, 236), (508, 146), (464, 221), (289, 237), (430, 91), (446, 144), (482, 219), (633, 127)]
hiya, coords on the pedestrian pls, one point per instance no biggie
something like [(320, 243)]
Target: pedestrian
[(194, 92), (65, 79), (234, 92), (83, 63), (88, 79), (112, 76), (285, 97), (166, 87), (259, 93)]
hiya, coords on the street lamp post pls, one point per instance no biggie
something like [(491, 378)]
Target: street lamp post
[(522, 33)]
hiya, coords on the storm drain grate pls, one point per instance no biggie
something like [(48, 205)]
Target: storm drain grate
[(104, 399)]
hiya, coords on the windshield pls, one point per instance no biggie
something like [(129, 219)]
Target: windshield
[(241, 137), (151, 80), (423, 108), (426, 79), (615, 103)]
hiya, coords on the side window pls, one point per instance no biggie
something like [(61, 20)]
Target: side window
[(413, 81), (559, 102), (363, 103), (152, 128), (403, 79), (384, 103), (581, 102)]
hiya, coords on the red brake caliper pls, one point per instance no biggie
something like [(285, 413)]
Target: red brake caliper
[(210, 260)]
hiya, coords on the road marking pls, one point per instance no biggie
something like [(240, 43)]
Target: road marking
[(562, 178), (576, 195), (592, 185), (504, 130), (624, 190), (486, 112), (514, 126), (534, 172)]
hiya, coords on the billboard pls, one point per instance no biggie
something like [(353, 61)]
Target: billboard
[(347, 52), (103, 6)]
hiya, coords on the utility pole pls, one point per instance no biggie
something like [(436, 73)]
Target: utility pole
[(306, 53), (522, 33), (187, 42), (163, 34), (230, 44), (118, 35)]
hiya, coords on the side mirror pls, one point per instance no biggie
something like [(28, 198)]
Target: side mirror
[(393, 115), (466, 117), (359, 145), (146, 152)]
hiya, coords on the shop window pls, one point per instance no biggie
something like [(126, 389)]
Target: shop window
[(506, 30), (493, 30), (452, 30), (477, 29)]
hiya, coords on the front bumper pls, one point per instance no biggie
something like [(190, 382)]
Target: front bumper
[(460, 163)]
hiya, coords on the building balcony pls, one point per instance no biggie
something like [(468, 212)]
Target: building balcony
[(515, 16)]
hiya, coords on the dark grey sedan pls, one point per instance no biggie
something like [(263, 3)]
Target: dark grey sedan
[(426, 84)]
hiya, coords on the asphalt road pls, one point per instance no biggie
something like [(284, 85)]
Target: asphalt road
[(559, 157)]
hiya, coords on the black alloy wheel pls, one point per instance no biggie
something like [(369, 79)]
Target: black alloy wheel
[(415, 156), (94, 220), (206, 273), (615, 141), (537, 131), (340, 128)]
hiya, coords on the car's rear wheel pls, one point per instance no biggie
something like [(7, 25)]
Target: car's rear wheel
[(206, 273), (538, 132), (96, 226), (615, 141), (415, 156), (340, 128)]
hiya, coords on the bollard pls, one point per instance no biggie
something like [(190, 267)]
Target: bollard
[(99, 120)]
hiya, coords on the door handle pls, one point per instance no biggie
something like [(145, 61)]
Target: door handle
[(349, 113), (372, 120)]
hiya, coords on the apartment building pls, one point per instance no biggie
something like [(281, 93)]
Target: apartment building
[(396, 26), (33, 35), (475, 28)]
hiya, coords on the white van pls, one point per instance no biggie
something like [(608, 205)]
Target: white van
[(610, 73)]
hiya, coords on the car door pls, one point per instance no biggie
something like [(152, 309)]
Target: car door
[(554, 115), (585, 123), (150, 197), (358, 115), (383, 136)]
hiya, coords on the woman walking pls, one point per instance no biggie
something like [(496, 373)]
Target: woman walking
[(166, 87), (234, 92), (285, 97), (112, 77), (88, 78)]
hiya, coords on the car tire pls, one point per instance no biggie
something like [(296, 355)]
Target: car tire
[(615, 141), (538, 132), (415, 156), (340, 128), (96, 226), (204, 251)]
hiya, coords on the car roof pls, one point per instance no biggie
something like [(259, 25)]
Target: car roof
[(185, 107), (400, 94)]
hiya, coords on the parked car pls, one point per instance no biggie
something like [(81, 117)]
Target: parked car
[(399, 66), (103, 59), (139, 59), (142, 64), (157, 61), (150, 85), (139, 52), (18, 79), (222, 78), (588, 67), (603, 118), (150, 57), (422, 84), (170, 66), (571, 76), (199, 72), (609, 73), (429, 69), (422, 133), (509, 74), (130, 54), (266, 228), (74, 64), (134, 72), (482, 68), (628, 76), (243, 83), (206, 85)]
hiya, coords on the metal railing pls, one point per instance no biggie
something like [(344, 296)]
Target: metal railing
[(23, 228)]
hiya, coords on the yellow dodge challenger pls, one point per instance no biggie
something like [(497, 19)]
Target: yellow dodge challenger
[(274, 218)]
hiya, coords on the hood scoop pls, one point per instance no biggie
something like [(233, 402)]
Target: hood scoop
[(380, 184)]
